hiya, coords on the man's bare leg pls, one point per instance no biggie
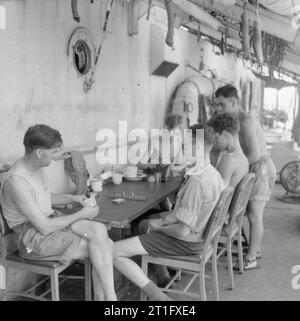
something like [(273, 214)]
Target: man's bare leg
[(160, 271), (128, 248), (97, 285), (255, 212), (100, 252), (81, 254)]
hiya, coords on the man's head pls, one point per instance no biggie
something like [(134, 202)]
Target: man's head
[(226, 127), (173, 121), (203, 137), (227, 100), (43, 143)]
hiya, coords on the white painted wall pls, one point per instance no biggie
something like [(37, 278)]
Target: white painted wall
[(39, 84)]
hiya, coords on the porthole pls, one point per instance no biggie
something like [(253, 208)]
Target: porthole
[(82, 57), (81, 52)]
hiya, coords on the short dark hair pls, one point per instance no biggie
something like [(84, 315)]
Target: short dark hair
[(172, 120), (209, 134), (225, 121), (227, 91), (41, 136)]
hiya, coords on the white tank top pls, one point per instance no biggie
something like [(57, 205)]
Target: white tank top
[(40, 193)]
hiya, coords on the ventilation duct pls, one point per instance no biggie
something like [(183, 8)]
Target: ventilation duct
[(163, 59)]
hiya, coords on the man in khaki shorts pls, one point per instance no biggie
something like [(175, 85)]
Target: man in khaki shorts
[(254, 147), (27, 201)]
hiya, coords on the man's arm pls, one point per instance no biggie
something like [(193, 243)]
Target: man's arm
[(176, 230), (62, 199), (17, 190), (226, 168), (248, 132)]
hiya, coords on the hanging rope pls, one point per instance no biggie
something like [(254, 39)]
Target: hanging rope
[(171, 23), (257, 38), (75, 12), (87, 85), (149, 9), (245, 31)]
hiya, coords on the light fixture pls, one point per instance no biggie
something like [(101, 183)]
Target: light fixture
[(2, 17)]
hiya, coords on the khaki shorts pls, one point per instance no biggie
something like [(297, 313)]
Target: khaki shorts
[(57, 246), (159, 244), (265, 172)]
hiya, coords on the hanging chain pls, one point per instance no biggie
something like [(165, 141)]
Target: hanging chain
[(87, 85)]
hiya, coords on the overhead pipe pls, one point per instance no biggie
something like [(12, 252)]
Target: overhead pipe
[(199, 14)]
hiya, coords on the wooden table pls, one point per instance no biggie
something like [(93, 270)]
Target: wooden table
[(120, 216)]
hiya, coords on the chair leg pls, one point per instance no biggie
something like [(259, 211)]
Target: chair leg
[(202, 282), (143, 297), (54, 286), (240, 250), (3, 276), (88, 280), (229, 260), (215, 277)]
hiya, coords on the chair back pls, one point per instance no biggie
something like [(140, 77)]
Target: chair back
[(8, 239), (240, 200), (4, 229), (215, 223)]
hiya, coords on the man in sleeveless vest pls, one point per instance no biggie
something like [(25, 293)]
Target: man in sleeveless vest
[(43, 234)]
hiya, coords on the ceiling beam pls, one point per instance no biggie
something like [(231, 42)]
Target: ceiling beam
[(272, 23)]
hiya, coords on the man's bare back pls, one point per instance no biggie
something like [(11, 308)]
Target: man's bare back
[(252, 137)]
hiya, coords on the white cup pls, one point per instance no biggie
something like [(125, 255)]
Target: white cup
[(117, 178), (96, 185), (131, 171)]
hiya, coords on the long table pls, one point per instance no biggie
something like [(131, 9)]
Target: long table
[(120, 216)]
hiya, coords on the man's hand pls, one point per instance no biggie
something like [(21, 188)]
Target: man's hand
[(78, 199), (156, 225), (170, 219), (89, 212)]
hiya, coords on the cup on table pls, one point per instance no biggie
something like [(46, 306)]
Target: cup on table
[(157, 177), (96, 185), (131, 171), (117, 178)]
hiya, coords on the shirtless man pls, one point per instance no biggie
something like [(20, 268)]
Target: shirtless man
[(43, 234), (232, 164), (254, 146)]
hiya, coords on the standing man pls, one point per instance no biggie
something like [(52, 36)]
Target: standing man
[(254, 146)]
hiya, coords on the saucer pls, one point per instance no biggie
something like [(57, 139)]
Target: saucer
[(138, 178)]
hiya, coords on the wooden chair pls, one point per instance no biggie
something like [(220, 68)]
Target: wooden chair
[(234, 229), (51, 269), (195, 264)]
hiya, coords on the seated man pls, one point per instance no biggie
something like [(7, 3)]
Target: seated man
[(233, 164), (181, 231), (27, 202)]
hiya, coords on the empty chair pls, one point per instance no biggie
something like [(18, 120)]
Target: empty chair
[(195, 264)]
